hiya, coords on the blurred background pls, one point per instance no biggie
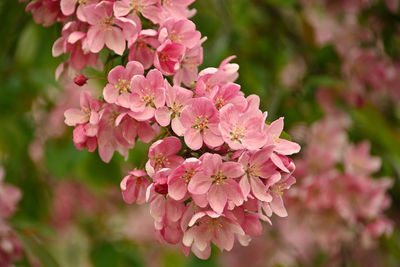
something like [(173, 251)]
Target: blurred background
[(331, 68)]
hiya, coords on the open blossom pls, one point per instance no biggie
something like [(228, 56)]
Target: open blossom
[(242, 130), (181, 31), (257, 167), (106, 29), (179, 179), (148, 94), (200, 120), (281, 146), (176, 98), (216, 179), (119, 87), (125, 7), (89, 112), (208, 226), (162, 154), (134, 187)]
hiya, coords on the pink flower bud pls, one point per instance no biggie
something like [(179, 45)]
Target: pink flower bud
[(80, 80)]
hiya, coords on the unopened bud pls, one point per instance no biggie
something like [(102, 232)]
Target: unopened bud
[(80, 79)]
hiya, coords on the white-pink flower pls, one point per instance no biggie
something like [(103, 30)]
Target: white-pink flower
[(118, 89), (200, 119), (216, 179)]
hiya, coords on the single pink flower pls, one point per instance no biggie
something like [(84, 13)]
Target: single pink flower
[(168, 57), (118, 89), (162, 154), (242, 130), (134, 187), (179, 31), (216, 179), (148, 94), (200, 120), (208, 226), (179, 179), (276, 185), (132, 128), (106, 29), (282, 146), (257, 167), (177, 9), (125, 7), (89, 112), (229, 93), (175, 99)]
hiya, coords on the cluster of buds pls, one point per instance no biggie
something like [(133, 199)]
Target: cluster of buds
[(215, 168)]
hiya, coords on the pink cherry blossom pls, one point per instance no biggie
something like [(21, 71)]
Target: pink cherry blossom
[(282, 146), (106, 29), (89, 112), (125, 7), (162, 154), (200, 120), (148, 94), (168, 57), (216, 180), (208, 226), (134, 187), (242, 130), (180, 31), (176, 98), (119, 87), (257, 166), (277, 184), (178, 180)]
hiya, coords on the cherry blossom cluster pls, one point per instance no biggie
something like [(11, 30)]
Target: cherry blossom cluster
[(10, 246), (215, 167), (345, 203)]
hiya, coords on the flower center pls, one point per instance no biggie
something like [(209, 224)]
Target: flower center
[(174, 37), (107, 23), (213, 224), (252, 170), (238, 133), (218, 178), (160, 161), (188, 175), (220, 102), (201, 123), (275, 139), (163, 56), (123, 86)]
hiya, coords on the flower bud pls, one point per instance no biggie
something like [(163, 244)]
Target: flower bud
[(80, 80)]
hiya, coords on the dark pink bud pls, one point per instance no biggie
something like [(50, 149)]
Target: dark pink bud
[(161, 186), (80, 79)]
